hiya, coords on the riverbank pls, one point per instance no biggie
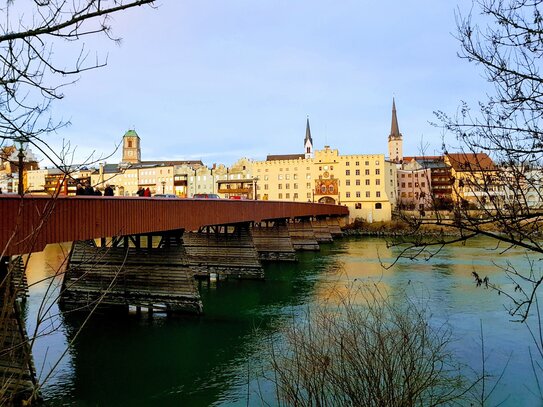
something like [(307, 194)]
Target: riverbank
[(396, 228)]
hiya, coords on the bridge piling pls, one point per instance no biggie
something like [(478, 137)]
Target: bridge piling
[(123, 274)]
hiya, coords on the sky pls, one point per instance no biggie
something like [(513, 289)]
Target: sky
[(221, 80)]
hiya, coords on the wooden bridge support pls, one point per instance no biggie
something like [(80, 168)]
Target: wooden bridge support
[(272, 241), (334, 227), (17, 371), (224, 251), (321, 230), (131, 271), (302, 235)]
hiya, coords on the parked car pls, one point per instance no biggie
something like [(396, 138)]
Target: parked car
[(165, 196), (206, 196)]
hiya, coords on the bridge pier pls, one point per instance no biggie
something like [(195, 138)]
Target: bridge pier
[(272, 241), (302, 235), (226, 251), (131, 271), (321, 230), (17, 371)]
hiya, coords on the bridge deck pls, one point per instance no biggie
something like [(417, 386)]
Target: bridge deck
[(29, 224)]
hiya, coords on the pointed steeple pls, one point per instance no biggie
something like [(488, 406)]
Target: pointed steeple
[(394, 128), (308, 132), (308, 141), (395, 143)]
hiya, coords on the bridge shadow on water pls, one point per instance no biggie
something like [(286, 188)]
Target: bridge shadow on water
[(124, 359)]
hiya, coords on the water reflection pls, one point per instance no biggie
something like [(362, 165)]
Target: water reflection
[(128, 360)]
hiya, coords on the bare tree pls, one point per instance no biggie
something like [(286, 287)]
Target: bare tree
[(496, 178), (369, 349), (32, 77)]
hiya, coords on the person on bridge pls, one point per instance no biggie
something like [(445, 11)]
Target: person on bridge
[(147, 192), (79, 190), (141, 191), (108, 191), (89, 190)]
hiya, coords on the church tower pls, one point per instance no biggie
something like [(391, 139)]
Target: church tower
[(395, 152), (131, 148), (308, 142)]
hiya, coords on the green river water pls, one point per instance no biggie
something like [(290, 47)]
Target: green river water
[(130, 360)]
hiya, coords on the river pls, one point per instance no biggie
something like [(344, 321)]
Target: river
[(130, 360)]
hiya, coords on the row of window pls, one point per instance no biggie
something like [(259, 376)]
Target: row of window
[(347, 163), (366, 172), (368, 194), (366, 182), (410, 184)]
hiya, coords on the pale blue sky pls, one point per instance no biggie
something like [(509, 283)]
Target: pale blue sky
[(221, 80)]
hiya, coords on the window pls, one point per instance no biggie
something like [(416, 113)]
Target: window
[(377, 162), (308, 185), (347, 172), (357, 206), (287, 176), (295, 176), (347, 163), (280, 196), (287, 186), (409, 175), (331, 188), (367, 163), (377, 182), (357, 172), (308, 195), (377, 171), (358, 194), (367, 182), (366, 172), (378, 194), (280, 186), (357, 182), (296, 195), (266, 177), (409, 184), (308, 176), (403, 184), (295, 186), (129, 143), (403, 175), (368, 194), (280, 176), (423, 184), (357, 163), (287, 196), (378, 205), (348, 182), (347, 195)]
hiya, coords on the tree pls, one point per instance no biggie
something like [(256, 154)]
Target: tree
[(32, 77), (497, 183), (372, 348)]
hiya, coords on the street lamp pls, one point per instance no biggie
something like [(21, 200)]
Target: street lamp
[(163, 185), (255, 180), (22, 143)]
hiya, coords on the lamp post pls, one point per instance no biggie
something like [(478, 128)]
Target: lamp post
[(255, 180), (22, 143), (163, 186)]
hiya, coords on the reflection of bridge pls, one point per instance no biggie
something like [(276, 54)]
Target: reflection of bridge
[(28, 225)]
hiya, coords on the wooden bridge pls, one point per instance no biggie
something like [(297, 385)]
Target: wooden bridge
[(29, 224), (143, 252)]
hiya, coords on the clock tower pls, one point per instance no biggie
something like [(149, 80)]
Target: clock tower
[(131, 148)]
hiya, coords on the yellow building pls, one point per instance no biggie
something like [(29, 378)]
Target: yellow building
[(366, 183)]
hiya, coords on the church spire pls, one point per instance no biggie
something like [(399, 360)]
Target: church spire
[(395, 146), (394, 128), (308, 141)]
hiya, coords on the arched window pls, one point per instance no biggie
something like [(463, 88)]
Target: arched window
[(378, 205), (308, 150)]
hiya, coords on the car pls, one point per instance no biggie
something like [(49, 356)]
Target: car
[(165, 196), (206, 196)]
